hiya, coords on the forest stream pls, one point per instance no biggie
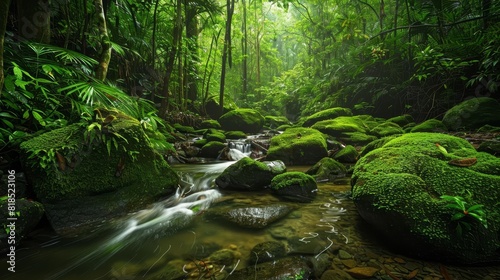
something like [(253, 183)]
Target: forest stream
[(170, 240)]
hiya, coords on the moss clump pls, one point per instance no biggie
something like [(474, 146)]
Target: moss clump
[(215, 136), (327, 114), (296, 146), (473, 113), (327, 169), (402, 120), (430, 125), (184, 129), (397, 189), (295, 186), (249, 174), (212, 149), (348, 154), (207, 124), (246, 120), (386, 129), (273, 122), (235, 135)]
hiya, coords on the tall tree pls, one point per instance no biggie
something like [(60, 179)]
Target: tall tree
[(226, 51), (4, 8), (105, 56), (244, 49)]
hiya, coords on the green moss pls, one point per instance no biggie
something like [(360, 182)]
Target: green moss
[(298, 146), (348, 154), (283, 127), (386, 129), (206, 124), (430, 125), (473, 113), (331, 113), (216, 136), (212, 149), (235, 135), (246, 120), (184, 129), (356, 138), (341, 125), (327, 169), (402, 120), (295, 186), (275, 121), (397, 188)]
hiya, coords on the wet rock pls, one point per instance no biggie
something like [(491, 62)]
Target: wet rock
[(294, 186), (224, 257), (397, 189), (327, 169), (336, 274), (298, 146), (212, 149), (348, 154), (343, 255), (28, 215), (362, 272), (320, 263), (286, 268), (473, 113), (251, 217), (267, 251), (280, 232), (246, 120), (250, 175), (490, 147)]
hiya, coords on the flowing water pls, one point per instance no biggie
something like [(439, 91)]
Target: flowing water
[(172, 234)]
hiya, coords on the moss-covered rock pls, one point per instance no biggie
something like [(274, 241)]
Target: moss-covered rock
[(386, 128), (430, 125), (273, 122), (295, 186), (212, 149), (488, 128), (246, 120), (248, 174), (184, 129), (397, 189), (348, 154), (235, 134), (298, 146), (402, 120), (473, 113), (327, 169), (267, 251), (27, 214), (214, 135), (490, 147), (327, 114), (353, 130), (207, 124), (108, 172)]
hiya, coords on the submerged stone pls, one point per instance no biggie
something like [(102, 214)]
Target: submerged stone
[(397, 188), (267, 251), (255, 217)]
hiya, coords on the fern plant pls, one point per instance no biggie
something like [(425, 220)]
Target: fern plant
[(463, 211)]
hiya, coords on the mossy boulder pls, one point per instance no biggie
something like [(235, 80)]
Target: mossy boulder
[(402, 120), (348, 154), (246, 120), (473, 113), (214, 135), (430, 125), (295, 186), (327, 114), (184, 129), (83, 177), (397, 188), (298, 146), (274, 122), (353, 130), (207, 124), (212, 149), (327, 169), (236, 134), (267, 251), (27, 215), (386, 129), (248, 174)]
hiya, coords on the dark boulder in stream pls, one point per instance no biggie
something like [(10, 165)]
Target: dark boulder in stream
[(249, 175), (86, 174), (433, 195), (255, 217)]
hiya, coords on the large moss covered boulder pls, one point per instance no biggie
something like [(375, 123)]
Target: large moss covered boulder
[(327, 114), (327, 169), (86, 174), (353, 130), (246, 120), (473, 113), (248, 174), (298, 146), (398, 189)]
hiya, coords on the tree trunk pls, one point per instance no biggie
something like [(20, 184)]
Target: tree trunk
[(227, 41), (244, 48), (153, 43), (193, 58), (105, 56), (34, 20), (170, 60), (4, 8)]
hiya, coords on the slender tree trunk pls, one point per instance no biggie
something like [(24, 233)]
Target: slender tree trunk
[(227, 41), (257, 44), (153, 43), (170, 60), (34, 20), (191, 69), (244, 47), (4, 12), (105, 56)]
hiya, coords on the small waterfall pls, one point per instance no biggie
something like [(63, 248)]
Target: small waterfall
[(194, 195), (240, 145)]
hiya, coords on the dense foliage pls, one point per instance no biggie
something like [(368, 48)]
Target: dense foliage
[(283, 57)]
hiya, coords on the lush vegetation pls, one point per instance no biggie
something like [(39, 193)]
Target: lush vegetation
[(167, 58)]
